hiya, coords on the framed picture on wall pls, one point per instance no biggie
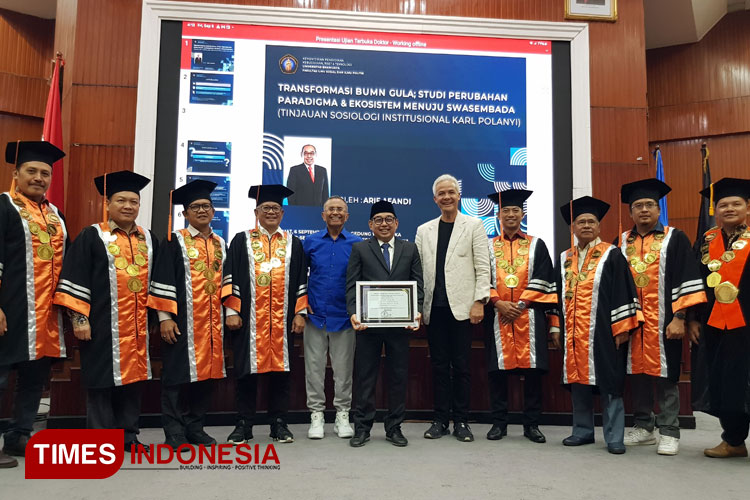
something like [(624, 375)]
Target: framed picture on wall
[(591, 10)]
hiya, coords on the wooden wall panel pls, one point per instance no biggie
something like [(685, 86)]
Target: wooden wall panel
[(25, 44), (111, 115), (701, 93)]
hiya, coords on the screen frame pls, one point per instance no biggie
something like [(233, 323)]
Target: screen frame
[(576, 35)]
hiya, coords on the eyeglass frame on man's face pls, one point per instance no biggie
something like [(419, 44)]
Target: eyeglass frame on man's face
[(380, 220), (271, 209), (206, 207), (648, 205)]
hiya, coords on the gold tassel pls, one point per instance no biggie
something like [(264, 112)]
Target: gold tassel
[(711, 200), (171, 209), (572, 237), (105, 216)]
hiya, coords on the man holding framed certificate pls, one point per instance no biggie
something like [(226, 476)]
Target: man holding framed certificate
[(384, 295)]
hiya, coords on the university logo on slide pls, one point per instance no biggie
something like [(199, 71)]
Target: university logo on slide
[(288, 64), (74, 453)]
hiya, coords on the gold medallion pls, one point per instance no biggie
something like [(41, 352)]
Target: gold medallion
[(510, 270), (568, 263), (746, 234), (631, 239), (713, 279), (259, 256), (192, 252), (568, 295), (142, 247), (33, 228), (641, 280), (216, 265), (256, 245), (659, 236), (728, 256), (217, 243), (710, 237), (591, 266), (524, 243), (714, 265), (218, 254), (135, 285), (518, 261), (582, 276), (281, 252), (705, 258), (209, 273), (656, 246), (596, 254), (121, 262), (210, 287), (568, 275), (726, 292), (132, 270), (139, 259), (640, 267), (189, 241), (634, 260), (499, 254), (739, 244), (53, 218), (650, 258), (282, 242), (264, 279), (25, 214), (498, 243), (140, 236), (255, 233), (43, 237), (51, 229), (704, 247), (630, 250), (199, 265), (502, 264), (523, 250), (19, 202), (511, 281), (45, 252)]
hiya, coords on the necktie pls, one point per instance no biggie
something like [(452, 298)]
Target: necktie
[(386, 256), (312, 175)]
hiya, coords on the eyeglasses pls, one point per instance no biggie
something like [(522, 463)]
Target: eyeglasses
[(380, 220), (206, 207), (649, 205), (270, 209), (338, 210), (309, 153)]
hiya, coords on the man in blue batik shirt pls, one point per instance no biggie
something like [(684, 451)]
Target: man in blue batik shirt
[(328, 329)]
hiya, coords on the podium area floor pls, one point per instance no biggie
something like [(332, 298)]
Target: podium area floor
[(512, 468)]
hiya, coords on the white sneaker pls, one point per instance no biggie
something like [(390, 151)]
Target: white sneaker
[(316, 430), (668, 445), (638, 436), (342, 426)]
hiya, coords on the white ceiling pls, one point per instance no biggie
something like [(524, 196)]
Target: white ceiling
[(39, 8), (668, 22), (674, 22)]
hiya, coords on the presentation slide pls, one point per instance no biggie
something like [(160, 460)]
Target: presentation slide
[(365, 116)]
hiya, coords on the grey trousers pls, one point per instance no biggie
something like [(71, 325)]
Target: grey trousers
[(668, 397), (613, 415), (340, 345)]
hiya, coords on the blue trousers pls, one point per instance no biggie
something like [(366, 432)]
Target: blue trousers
[(613, 415)]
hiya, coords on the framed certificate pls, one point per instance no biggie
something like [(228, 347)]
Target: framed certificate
[(387, 303)]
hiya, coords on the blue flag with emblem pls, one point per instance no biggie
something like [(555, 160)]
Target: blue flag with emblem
[(663, 217)]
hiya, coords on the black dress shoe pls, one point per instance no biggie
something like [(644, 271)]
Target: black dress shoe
[(436, 431), (462, 432), (136, 443), (497, 432), (576, 441), (242, 432), (396, 437), (359, 439), (174, 441), (7, 462), (280, 431), (616, 449), (16, 447), (532, 433), (200, 437)]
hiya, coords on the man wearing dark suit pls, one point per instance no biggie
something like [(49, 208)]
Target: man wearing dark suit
[(308, 181), (381, 258)]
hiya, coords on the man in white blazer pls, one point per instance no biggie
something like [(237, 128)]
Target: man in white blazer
[(455, 261)]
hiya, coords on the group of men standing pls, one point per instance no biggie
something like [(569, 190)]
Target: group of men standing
[(615, 310)]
